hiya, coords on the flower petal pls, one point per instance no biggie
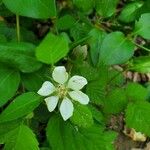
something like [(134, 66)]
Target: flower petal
[(79, 96), (51, 102), (46, 89), (66, 108), (60, 75), (77, 82)]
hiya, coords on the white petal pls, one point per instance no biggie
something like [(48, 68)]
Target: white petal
[(60, 75), (79, 96), (51, 102), (77, 82), (46, 89), (66, 108)]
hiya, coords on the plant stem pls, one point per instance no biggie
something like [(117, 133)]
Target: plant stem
[(18, 28), (142, 47)]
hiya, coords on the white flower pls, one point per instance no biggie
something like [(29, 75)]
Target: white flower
[(64, 92)]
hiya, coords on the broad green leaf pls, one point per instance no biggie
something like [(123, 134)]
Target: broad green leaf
[(142, 27), (136, 92), (64, 136), (8, 126), (115, 102), (129, 12), (20, 56), (9, 82), (137, 117), (95, 43), (82, 116), (106, 8), (52, 49), (140, 64), (116, 49), (32, 8), (84, 5), (21, 106), (21, 138), (65, 22)]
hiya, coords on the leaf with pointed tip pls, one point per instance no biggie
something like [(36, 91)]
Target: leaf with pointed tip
[(21, 138), (21, 106), (52, 49)]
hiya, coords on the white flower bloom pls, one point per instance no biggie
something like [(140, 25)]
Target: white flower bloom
[(64, 92)]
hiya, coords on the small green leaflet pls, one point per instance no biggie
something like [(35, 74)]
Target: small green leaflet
[(129, 12), (21, 106), (136, 92), (95, 42), (118, 51), (52, 49), (32, 8), (9, 82), (137, 117), (106, 8), (21, 138), (142, 27)]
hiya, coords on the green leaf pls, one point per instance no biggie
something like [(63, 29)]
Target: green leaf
[(21, 106), (8, 126), (63, 136), (106, 8), (21, 138), (20, 56), (115, 102), (82, 116), (137, 117), (87, 5), (118, 51), (65, 22), (136, 92), (142, 27), (10, 80), (52, 49), (32, 8), (140, 64), (95, 43), (129, 12)]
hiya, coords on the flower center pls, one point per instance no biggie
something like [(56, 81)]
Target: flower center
[(62, 91)]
